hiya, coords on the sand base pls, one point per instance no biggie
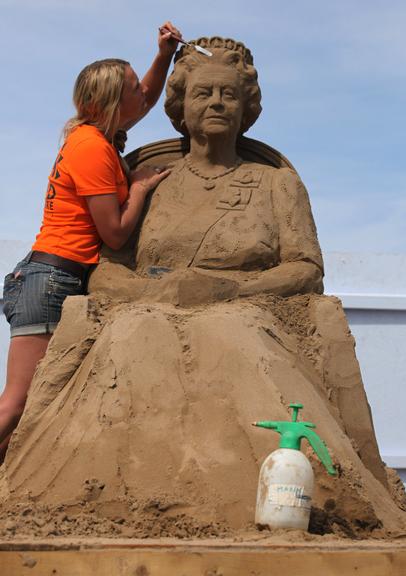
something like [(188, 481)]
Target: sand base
[(169, 557), (138, 422)]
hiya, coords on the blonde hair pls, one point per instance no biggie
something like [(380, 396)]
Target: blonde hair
[(96, 96)]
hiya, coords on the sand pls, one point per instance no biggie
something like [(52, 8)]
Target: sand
[(112, 445)]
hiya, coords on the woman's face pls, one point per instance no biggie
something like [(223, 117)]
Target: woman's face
[(132, 102), (213, 104)]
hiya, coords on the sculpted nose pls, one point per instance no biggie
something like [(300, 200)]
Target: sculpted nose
[(215, 99)]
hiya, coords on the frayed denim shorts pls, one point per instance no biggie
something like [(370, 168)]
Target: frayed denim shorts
[(33, 296)]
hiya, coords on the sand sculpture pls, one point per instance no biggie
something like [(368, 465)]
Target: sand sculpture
[(139, 417)]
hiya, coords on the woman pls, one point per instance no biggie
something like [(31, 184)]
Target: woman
[(88, 201), (217, 220)]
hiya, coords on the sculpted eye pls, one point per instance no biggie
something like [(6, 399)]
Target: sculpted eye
[(202, 94), (200, 91)]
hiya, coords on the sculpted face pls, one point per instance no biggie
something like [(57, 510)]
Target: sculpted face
[(213, 102)]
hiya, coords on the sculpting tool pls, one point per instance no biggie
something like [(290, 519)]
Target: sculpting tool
[(195, 46)]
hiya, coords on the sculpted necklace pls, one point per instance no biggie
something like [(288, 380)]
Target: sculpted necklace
[(210, 180)]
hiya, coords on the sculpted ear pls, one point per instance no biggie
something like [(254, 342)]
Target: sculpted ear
[(245, 124), (183, 127)]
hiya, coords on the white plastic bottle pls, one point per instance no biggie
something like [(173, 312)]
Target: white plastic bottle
[(286, 478), (285, 490)]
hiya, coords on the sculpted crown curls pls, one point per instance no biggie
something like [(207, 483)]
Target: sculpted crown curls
[(219, 43), (225, 51)]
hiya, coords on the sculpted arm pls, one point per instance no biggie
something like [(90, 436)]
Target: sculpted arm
[(300, 270), (300, 267)]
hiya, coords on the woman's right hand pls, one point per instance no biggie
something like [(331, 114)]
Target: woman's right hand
[(147, 178)]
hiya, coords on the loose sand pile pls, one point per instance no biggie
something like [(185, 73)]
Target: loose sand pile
[(139, 419)]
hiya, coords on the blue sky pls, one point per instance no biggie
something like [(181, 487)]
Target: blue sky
[(333, 78)]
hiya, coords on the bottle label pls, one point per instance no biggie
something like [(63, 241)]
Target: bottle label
[(289, 495)]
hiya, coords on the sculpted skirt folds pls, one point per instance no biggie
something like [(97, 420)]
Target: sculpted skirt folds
[(156, 402)]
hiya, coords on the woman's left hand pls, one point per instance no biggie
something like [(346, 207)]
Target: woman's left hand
[(166, 42)]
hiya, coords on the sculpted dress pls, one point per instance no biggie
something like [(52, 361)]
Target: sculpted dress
[(251, 219)]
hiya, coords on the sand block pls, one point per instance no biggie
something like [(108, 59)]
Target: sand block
[(149, 417)]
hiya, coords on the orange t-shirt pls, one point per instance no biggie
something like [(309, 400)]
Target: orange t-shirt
[(86, 165)]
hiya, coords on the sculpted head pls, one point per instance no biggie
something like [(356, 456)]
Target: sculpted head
[(231, 60)]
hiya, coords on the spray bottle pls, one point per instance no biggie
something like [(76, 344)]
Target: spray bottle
[(286, 478)]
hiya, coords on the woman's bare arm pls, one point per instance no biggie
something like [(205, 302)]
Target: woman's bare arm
[(114, 223), (153, 82)]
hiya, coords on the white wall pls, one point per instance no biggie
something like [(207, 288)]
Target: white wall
[(380, 336)]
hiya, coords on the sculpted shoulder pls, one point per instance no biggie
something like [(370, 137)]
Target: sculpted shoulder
[(254, 174)]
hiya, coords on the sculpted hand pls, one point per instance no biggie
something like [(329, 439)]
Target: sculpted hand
[(196, 286), (148, 178), (166, 42), (117, 282), (189, 287)]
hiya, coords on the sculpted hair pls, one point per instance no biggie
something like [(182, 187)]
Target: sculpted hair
[(226, 52), (96, 96)]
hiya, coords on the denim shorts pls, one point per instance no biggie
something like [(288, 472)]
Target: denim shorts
[(33, 295)]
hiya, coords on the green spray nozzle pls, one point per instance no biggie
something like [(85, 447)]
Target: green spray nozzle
[(293, 432)]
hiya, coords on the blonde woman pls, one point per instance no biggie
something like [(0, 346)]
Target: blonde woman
[(89, 200)]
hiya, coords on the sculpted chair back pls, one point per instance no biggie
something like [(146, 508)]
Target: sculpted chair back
[(164, 152)]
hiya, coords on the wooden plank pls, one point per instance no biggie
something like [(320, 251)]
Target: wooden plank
[(204, 562), (267, 543)]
